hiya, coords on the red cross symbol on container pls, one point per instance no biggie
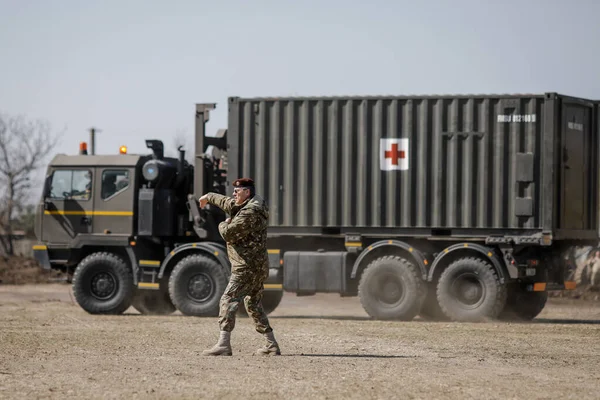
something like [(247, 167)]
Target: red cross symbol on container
[(395, 154)]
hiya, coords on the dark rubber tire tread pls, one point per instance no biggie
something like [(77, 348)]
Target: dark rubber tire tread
[(178, 283), (153, 302), (114, 264), (413, 288), (524, 306), (431, 310), (496, 293)]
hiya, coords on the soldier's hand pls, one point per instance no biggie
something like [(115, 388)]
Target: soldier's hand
[(228, 220), (203, 201)]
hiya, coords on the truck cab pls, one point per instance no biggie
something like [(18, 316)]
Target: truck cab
[(87, 199), (128, 231)]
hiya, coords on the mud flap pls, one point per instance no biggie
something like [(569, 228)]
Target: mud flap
[(40, 253)]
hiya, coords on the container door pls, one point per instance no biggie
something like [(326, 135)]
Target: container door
[(575, 175), (68, 205)]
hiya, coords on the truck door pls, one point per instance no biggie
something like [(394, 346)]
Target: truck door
[(114, 202), (576, 137), (68, 205)]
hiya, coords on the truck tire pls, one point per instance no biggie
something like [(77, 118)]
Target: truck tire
[(431, 310), (469, 291), (103, 284), (196, 285), (390, 289), (153, 302), (271, 299), (524, 306)]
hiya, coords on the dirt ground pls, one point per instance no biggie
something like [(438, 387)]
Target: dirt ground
[(22, 270), (50, 348)]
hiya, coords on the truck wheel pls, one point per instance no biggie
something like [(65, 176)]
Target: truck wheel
[(196, 285), (524, 306), (103, 284), (469, 290), (270, 301), (153, 302), (390, 289), (431, 309)]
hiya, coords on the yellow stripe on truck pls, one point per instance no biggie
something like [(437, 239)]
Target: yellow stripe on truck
[(98, 213), (148, 285), (353, 244), (150, 263), (273, 286)]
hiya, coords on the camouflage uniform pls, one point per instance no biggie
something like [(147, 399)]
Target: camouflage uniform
[(246, 237)]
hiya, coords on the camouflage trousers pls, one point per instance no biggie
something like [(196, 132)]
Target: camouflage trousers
[(247, 285)]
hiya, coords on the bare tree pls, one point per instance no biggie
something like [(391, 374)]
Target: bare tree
[(24, 146)]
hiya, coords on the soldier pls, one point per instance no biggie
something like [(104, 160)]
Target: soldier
[(245, 232)]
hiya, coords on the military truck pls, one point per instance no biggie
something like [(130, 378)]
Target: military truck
[(461, 208)]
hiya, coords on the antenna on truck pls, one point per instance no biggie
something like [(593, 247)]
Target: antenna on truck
[(93, 140)]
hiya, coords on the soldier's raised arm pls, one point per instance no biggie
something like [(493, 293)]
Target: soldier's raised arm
[(223, 202)]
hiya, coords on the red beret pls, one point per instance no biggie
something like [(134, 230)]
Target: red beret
[(243, 183)]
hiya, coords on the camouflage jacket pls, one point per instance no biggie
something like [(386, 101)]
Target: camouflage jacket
[(246, 234)]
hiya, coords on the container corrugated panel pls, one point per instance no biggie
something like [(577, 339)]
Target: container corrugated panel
[(472, 162)]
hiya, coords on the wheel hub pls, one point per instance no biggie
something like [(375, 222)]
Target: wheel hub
[(391, 292), (388, 289), (471, 292), (200, 287), (103, 285), (468, 290)]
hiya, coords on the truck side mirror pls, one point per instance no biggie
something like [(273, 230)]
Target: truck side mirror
[(47, 182)]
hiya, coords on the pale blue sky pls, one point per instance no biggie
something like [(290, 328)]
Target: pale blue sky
[(134, 69)]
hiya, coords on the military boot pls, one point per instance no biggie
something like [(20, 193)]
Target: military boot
[(271, 347), (222, 348)]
